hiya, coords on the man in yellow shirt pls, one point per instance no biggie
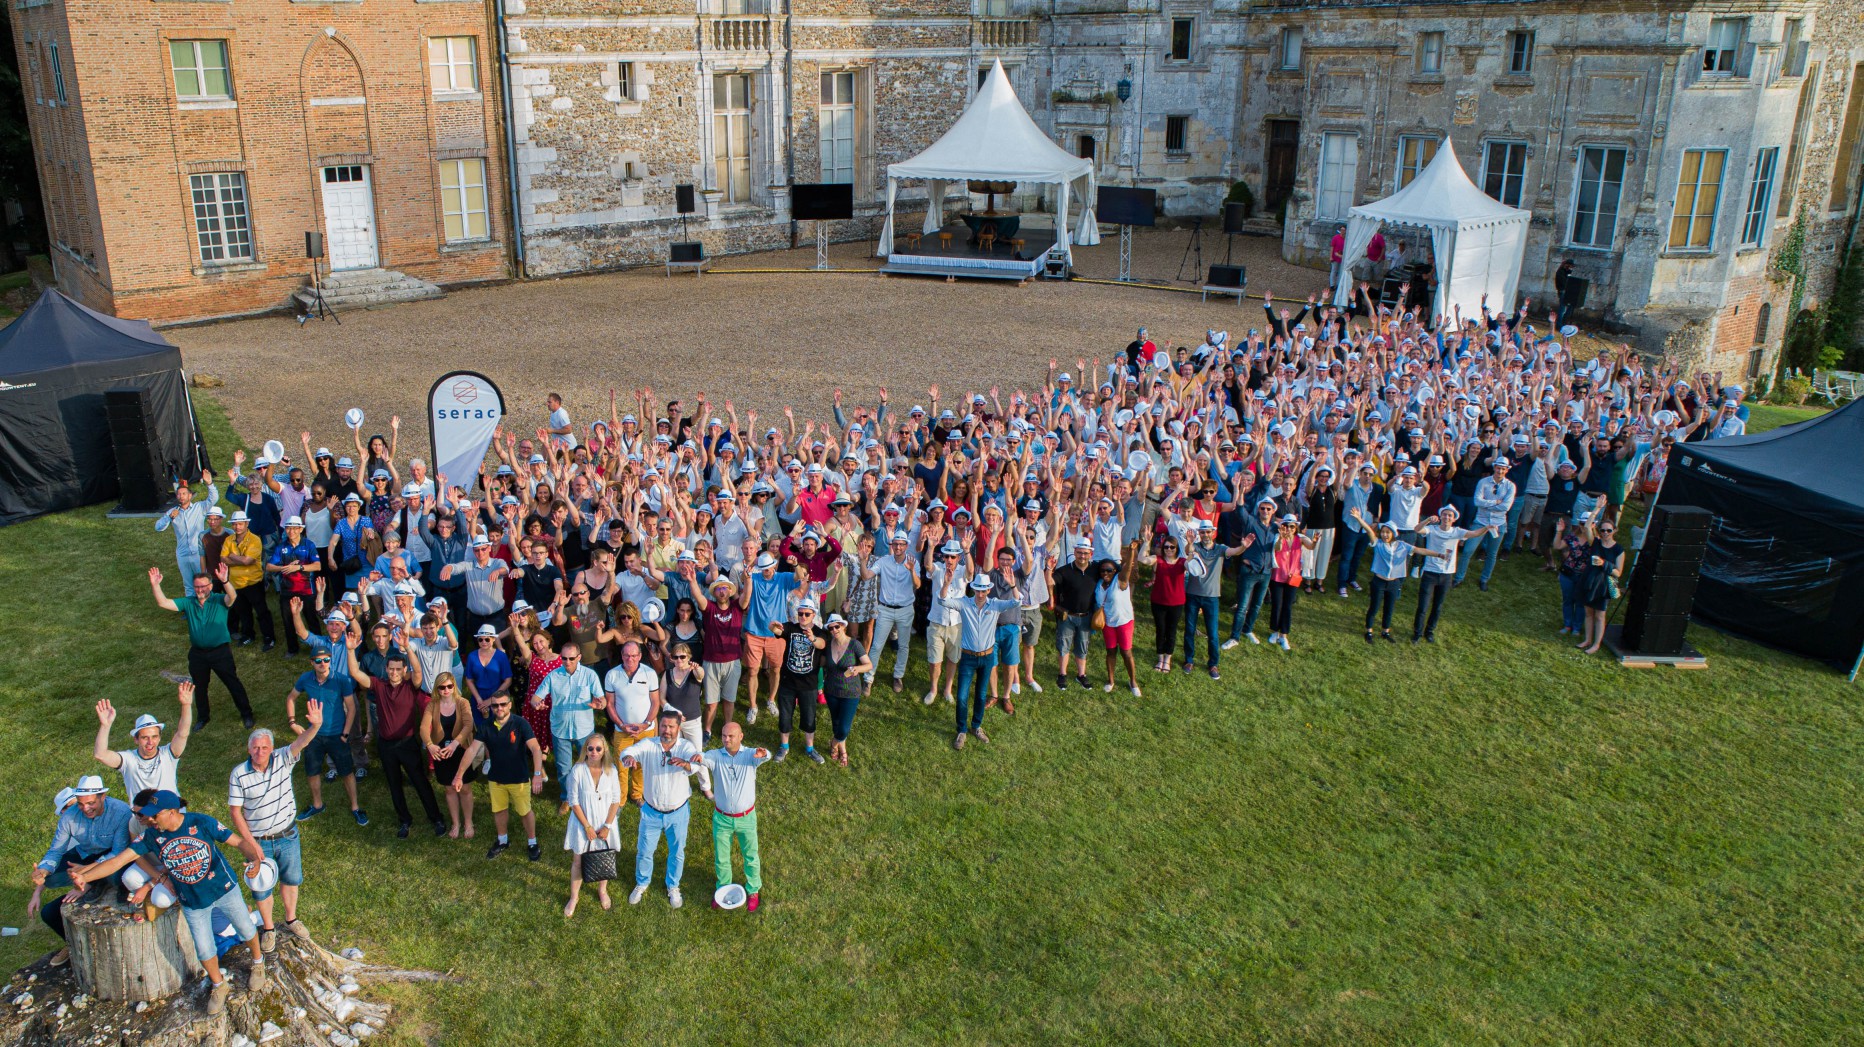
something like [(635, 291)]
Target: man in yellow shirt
[(244, 556)]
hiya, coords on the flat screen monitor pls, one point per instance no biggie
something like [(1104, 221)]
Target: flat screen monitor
[(1119, 205), (824, 202)]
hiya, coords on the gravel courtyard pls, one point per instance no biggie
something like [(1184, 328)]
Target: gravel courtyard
[(767, 340)]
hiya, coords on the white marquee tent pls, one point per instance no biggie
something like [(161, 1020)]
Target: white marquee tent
[(995, 140), (1477, 240)]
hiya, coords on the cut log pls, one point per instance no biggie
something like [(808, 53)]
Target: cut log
[(117, 955)]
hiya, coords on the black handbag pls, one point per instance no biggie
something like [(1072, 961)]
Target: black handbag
[(599, 866)]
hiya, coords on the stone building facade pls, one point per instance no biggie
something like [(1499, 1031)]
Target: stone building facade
[(187, 146)]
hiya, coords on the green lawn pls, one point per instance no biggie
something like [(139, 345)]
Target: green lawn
[(1492, 840)]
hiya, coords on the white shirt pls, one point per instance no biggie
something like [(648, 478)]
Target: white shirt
[(1441, 544), (1115, 602), (560, 419), (943, 586), (633, 696), (734, 779), (666, 786), (157, 772)]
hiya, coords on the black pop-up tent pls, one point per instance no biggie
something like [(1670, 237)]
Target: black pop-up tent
[(1785, 559), (56, 362)]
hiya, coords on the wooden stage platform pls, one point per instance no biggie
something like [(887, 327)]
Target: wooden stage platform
[(959, 258)]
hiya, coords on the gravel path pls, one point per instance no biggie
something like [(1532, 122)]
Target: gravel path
[(767, 340)]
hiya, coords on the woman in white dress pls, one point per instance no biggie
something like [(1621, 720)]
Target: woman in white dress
[(595, 793)]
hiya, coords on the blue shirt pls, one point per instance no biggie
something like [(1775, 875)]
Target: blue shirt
[(570, 694), (331, 693), (251, 494), (770, 603), (1389, 559), (979, 632), (101, 836), (192, 856), (486, 677), (339, 657)]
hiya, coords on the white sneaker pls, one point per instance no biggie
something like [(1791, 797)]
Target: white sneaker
[(1136, 693), (1252, 638), (635, 896), (673, 897), (1036, 687), (1108, 688), (931, 696), (1016, 688), (750, 713), (770, 706), (1230, 645), (1284, 644)]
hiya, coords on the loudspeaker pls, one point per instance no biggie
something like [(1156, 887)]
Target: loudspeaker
[(1574, 296), (1663, 581), (684, 199), (313, 244), (131, 420), (1233, 218), (1226, 276), (686, 251)]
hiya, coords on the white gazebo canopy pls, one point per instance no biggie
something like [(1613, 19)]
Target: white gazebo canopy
[(995, 140), (1477, 240)]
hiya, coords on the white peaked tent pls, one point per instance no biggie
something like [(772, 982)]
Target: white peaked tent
[(995, 140), (1477, 240)]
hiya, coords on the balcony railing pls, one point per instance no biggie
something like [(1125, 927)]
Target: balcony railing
[(1005, 32), (741, 34)]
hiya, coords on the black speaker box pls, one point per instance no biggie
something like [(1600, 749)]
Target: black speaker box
[(1574, 294), (686, 251), (685, 199), (1655, 634), (128, 411), (1226, 275), (313, 244), (1233, 218)]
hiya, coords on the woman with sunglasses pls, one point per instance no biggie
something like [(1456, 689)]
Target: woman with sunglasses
[(1599, 578), (446, 732), (1285, 578), (682, 687), (847, 665), (486, 670), (1168, 570), (595, 804), (538, 660)]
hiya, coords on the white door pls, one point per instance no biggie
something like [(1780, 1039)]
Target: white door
[(349, 217)]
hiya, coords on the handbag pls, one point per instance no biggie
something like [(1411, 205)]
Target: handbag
[(599, 865), (1099, 621), (350, 564)]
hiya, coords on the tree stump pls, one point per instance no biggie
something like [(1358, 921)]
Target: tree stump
[(116, 956)]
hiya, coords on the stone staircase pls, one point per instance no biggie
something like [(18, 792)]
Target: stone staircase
[(366, 288)]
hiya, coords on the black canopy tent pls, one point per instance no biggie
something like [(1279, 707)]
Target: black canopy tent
[(1785, 559), (56, 362)]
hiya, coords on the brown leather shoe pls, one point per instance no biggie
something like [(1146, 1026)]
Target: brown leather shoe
[(958, 742), (981, 736)]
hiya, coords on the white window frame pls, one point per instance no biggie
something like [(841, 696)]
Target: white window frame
[(1721, 52), (1760, 196), (1604, 221), (58, 73), (1291, 55), (1190, 39), (1337, 186), (838, 125), (1514, 147), (1793, 48), (222, 217), (1430, 53), (449, 72), (1521, 52), (624, 80), (1696, 211), (1409, 167), (200, 69), (475, 223), (732, 170)]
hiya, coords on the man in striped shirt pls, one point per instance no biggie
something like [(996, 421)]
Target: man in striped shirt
[(734, 812), (263, 807)]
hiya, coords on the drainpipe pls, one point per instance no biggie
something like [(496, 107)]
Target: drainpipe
[(789, 116), (511, 142)]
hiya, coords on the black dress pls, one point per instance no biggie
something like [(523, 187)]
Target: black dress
[(444, 770), (1595, 583)]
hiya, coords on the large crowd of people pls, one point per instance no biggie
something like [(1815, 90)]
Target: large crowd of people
[(613, 603)]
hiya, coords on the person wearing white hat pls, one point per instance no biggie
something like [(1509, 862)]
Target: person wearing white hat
[(150, 765), (210, 646), (766, 606), (1441, 539), (1285, 578), (978, 615), (244, 554), (188, 519), (898, 577), (263, 807), (798, 682), (1495, 497), (945, 578), (186, 846), (294, 563), (92, 825), (1071, 597)]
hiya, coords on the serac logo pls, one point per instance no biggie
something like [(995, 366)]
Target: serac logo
[(465, 391)]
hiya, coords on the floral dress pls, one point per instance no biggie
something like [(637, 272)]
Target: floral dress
[(863, 593), (539, 716)]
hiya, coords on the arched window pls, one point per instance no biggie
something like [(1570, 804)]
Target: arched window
[(1760, 325)]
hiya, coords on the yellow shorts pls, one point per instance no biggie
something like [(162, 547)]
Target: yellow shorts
[(516, 798)]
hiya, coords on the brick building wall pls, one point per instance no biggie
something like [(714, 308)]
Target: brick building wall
[(308, 86)]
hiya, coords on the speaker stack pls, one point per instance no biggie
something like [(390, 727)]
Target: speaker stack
[(1226, 276), (131, 421), (685, 250), (1663, 581)]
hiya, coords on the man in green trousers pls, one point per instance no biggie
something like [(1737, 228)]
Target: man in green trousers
[(734, 799)]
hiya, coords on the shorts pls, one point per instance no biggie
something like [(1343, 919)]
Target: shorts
[(1071, 633), (1531, 509), (333, 748), (286, 853), (1032, 626), (762, 650), (1118, 637), (944, 643), (1009, 645), (721, 681), (515, 798)]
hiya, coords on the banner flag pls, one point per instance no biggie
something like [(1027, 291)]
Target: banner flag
[(464, 409)]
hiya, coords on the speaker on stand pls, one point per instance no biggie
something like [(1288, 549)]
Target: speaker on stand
[(314, 251), (130, 416), (1662, 587), (1232, 224), (686, 251)]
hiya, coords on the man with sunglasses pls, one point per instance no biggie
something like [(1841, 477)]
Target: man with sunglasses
[(330, 740), (397, 710), (666, 762), (797, 684), (575, 693), (517, 773)]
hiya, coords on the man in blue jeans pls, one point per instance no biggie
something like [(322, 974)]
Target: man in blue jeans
[(667, 762), (978, 616), (1258, 544), (263, 808), (576, 693), (1495, 497), (1203, 586), (186, 845), (1361, 495)]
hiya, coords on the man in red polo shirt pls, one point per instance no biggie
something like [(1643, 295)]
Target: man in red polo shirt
[(398, 708)]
